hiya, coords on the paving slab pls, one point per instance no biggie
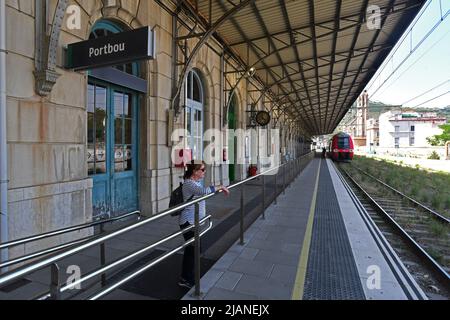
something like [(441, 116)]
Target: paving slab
[(265, 266)]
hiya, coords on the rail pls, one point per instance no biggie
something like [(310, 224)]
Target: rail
[(436, 214), (409, 285), (434, 265), (289, 171), (54, 233)]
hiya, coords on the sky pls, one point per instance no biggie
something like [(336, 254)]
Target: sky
[(425, 74)]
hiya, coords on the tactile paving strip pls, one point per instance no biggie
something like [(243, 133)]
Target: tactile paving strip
[(331, 273)]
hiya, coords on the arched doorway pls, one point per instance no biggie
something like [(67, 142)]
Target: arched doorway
[(112, 131), (195, 114), (232, 139)]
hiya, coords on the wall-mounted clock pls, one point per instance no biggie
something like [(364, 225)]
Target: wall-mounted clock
[(262, 118)]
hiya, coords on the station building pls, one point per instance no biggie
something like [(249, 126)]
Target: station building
[(97, 143)]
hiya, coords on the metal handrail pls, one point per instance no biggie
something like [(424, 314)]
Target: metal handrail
[(63, 231), (265, 172), (149, 265), (50, 234), (25, 270), (130, 257), (170, 253), (41, 253)]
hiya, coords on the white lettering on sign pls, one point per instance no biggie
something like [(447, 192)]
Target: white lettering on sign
[(107, 49)]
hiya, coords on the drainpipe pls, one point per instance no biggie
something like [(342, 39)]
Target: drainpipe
[(3, 143)]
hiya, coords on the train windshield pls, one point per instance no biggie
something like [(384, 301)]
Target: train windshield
[(343, 143)]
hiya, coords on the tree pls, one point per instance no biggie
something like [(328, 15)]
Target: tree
[(440, 139)]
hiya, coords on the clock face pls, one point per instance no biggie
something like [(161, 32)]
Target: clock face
[(263, 118)]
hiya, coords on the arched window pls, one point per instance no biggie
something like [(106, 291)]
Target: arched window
[(195, 114)]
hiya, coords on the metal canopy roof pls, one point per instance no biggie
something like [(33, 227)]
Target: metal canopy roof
[(314, 56)]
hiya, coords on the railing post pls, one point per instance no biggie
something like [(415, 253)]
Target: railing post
[(264, 196), (197, 249), (289, 174), (242, 214), (292, 170), (55, 293), (276, 186), (103, 256)]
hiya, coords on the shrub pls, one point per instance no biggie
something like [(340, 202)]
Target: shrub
[(447, 203), (414, 190), (434, 156), (424, 197), (436, 201)]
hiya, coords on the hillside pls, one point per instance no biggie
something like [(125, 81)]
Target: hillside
[(444, 112)]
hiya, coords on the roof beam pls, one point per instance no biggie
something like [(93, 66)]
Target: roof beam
[(352, 47), (363, 50), (227, 15), (312, 24), (353, 18), (297, 56), (263, 26), (333, 59), (374, 39), (250, 46)]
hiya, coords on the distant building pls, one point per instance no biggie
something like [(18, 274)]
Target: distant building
[(408, 129), (361, 118), (373, 133), (349, 125)]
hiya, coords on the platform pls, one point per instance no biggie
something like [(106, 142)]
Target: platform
[(315, 244)]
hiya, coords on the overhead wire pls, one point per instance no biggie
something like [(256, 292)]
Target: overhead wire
[(417, 60), (412, 50), (441, 95), (421, 95), (399, 43)]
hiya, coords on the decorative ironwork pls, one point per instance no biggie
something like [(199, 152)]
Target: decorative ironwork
[(47, 45)]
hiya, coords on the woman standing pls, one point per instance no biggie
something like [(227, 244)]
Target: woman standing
[(192, 189)]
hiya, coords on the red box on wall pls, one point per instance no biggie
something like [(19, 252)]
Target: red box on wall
[(182, 157)]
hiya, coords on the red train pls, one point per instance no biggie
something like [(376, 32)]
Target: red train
[(341, 147)]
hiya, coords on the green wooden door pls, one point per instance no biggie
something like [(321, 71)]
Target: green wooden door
[(232, 142)]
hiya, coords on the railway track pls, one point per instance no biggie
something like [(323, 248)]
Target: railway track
[(419, 235)]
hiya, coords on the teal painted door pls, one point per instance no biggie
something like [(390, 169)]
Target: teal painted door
[(112, 149), (232, 141)]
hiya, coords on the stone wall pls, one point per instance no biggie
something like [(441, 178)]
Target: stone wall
[(48, 185)]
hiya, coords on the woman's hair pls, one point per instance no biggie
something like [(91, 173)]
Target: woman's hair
[(193, 166)]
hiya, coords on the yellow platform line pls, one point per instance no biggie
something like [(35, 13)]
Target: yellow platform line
[(299, 284)]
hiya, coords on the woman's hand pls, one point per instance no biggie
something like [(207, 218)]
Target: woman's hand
[(224, 190)]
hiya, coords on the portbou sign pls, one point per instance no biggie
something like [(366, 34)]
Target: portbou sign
[(112, 50)]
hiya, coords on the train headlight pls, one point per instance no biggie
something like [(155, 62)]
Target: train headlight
[(351, 150)]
